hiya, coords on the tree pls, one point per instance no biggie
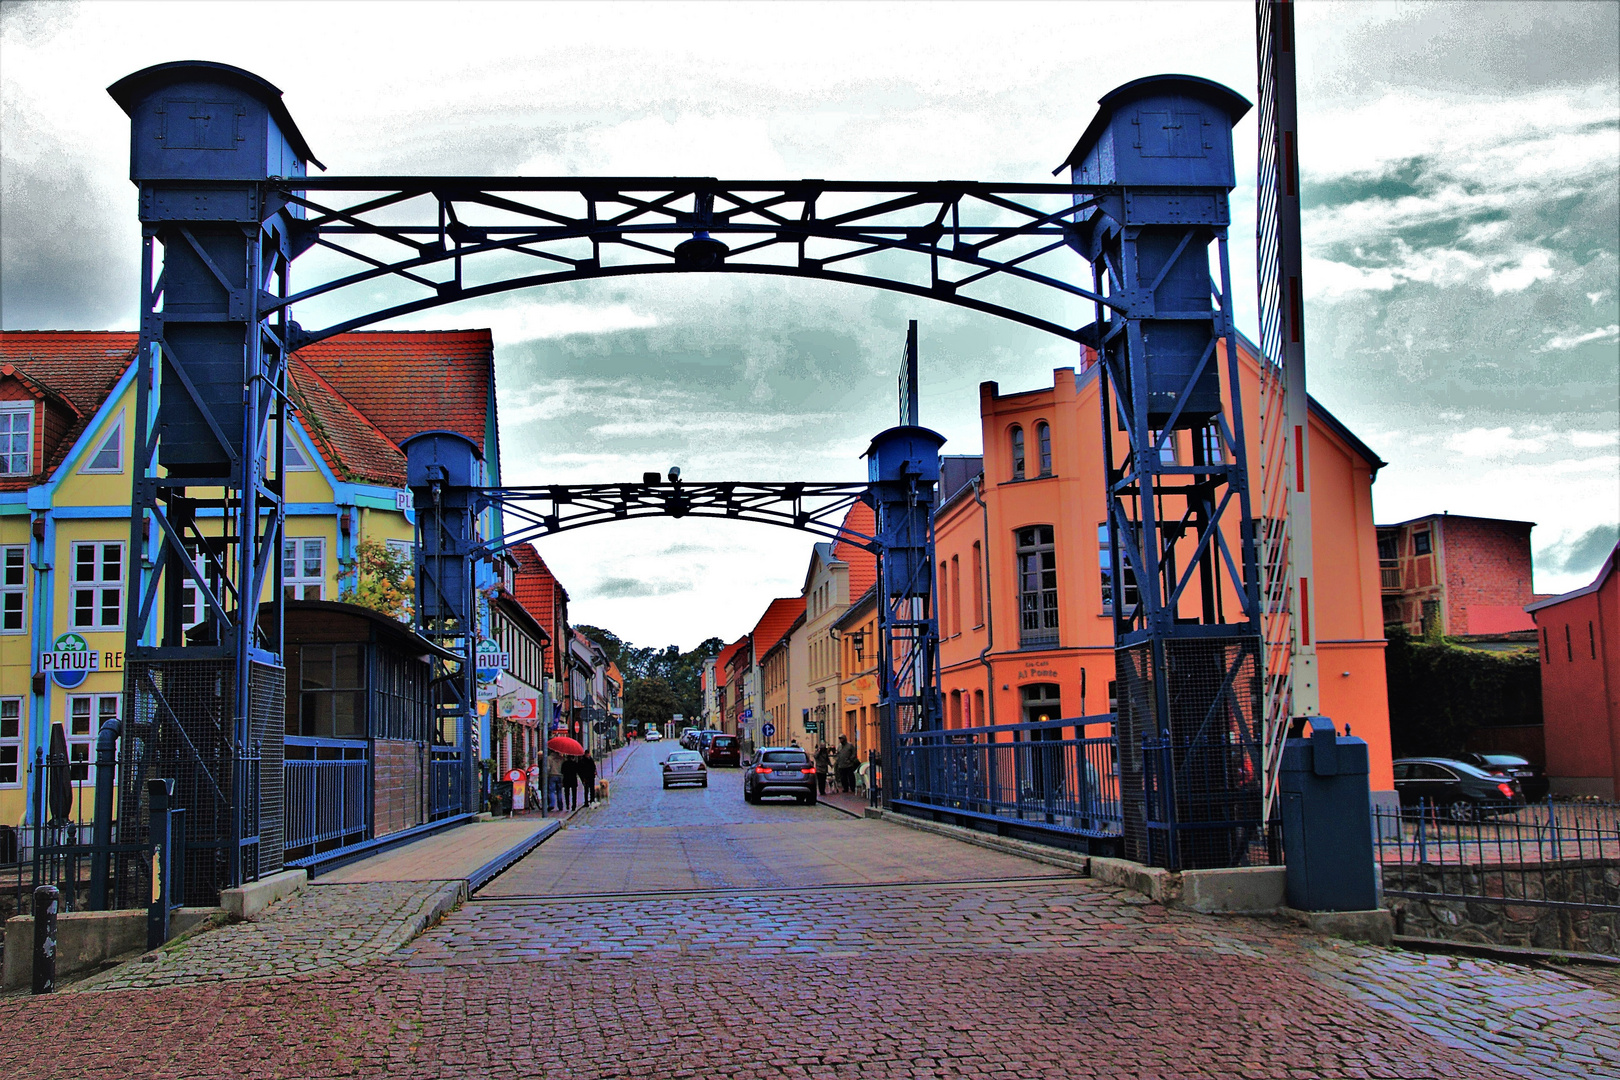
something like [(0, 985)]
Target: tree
[(383, 579), (650, 701)]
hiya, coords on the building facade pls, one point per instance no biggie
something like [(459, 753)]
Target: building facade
[(1025, 591), (1578, 634), (856, 634), (1470, 574)]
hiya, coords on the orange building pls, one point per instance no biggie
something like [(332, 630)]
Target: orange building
[(1025, 592), (1579, 636), (857, 636)]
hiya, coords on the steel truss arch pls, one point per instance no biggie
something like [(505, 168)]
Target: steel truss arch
[(548, 509), (990, 233)]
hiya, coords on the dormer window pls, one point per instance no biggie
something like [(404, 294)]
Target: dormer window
[(17, 438), (1017, 439)]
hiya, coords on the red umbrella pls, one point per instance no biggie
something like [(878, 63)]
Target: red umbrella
[(562, 744)]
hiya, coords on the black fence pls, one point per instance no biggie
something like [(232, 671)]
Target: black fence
[(449, 783), (1549, 854)]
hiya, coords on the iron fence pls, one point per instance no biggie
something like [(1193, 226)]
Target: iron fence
[(1045, 776), (328, 796), (1202, 805), (1551, 854)]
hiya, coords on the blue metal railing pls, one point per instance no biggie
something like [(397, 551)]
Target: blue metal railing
[(328, 795), (1045, 776)]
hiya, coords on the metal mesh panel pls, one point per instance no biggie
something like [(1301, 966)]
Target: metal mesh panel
[(267, 728), (1192, 799)]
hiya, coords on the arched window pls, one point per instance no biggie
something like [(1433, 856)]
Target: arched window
[(1043, 436), (1017, 453)]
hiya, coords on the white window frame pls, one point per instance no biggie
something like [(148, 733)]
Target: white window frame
[(11, 746), (97, 710), (101, 588), (24, 409), (13, 589), (114, 440), (292, 569), (192, 601)]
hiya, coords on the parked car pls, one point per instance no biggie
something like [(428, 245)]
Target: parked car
[(724, 750), (1532, 781), (703, 739), (654, 735), (685, 767), (1463, 791), (689, 738), (777, 770)]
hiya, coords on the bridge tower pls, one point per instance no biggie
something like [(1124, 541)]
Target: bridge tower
[(204, 707), (1187, 650)]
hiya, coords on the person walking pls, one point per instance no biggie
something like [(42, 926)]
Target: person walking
[(823, 760), (845, 763), (570, 781), (554, 764), (587, 777)]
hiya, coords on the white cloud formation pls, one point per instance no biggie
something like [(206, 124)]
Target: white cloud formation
[(1561, 342)]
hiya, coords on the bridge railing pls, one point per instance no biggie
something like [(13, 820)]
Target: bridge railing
[(328, 796), (1046, 776), (448, 784)]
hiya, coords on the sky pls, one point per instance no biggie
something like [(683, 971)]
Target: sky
[(1460, 182)]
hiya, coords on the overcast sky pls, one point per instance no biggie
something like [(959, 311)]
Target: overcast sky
[(1461, 164)]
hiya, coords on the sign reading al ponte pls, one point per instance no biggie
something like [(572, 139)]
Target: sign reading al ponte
[(72, 660)]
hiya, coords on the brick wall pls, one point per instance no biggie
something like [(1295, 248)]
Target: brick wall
[(1487, 565)]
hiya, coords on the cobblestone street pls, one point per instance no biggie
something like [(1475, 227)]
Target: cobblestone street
[(685, 933)]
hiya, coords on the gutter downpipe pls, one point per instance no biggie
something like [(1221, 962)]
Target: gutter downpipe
[(989, 606), (106, 764)]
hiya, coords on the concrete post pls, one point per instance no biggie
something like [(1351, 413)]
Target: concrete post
[(46, 899)]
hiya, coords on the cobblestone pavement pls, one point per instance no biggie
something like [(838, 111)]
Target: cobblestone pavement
[(977, 974), (323, 926)]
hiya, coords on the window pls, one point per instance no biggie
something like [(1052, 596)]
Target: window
[(11, 769), (1042, 702), (17, 439), (942, 586), (13, 579), (1043, 439), (978, 584), (956, 595), (956, 709), (1420, 543), (1210, 441), (1105, 563), (1546, 656), (1569, 649), (1017, 453), (1167, 451), (332, 696), (1037, 586), (193, 608), (1591, 639), (98, 586), (1389, 548), (303, 568), (86, 714), (109, 456), (978, 708)]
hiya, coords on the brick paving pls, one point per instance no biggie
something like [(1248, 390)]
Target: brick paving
[(970, 973)]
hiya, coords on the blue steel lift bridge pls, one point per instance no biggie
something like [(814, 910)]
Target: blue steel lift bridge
[(1128, 258)]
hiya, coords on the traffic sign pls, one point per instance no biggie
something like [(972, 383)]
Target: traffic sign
[(770, 730)]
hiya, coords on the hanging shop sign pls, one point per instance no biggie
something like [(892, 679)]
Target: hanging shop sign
[(520, 708)]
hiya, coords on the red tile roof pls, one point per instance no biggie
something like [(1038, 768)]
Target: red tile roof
[(862, 563), (78, 368), (409, 382), (351, 444), (537, 590), (721, 661), (775, 623)]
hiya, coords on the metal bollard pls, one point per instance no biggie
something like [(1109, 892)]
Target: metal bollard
[(46, 899)]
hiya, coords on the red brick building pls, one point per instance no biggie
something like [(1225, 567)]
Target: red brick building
[(545, 599), (1471, 573), (1579, 637)]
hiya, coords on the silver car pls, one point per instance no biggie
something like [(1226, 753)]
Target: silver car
[(685, 767)]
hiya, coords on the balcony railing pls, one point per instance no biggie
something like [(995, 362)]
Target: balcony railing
[(1389, 574)]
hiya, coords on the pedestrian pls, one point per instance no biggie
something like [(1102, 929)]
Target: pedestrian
[(554, 780), (823, 759), (570, 780), (587, 777), (845, 763)]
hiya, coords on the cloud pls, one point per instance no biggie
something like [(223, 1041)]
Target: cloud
[(1580, 553), (622, 588), (1561, 342)]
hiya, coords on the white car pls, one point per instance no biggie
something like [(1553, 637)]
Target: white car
[(654, 735)]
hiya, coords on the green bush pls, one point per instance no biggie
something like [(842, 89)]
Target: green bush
[(1439, 692)]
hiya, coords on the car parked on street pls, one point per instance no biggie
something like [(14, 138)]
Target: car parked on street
[(685, 767), (689, 738), (778, 770), (701, 745), (724, 750), (1461, 791), (1532, 781)]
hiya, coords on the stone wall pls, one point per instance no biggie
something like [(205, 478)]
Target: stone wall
[(1494, 919)]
